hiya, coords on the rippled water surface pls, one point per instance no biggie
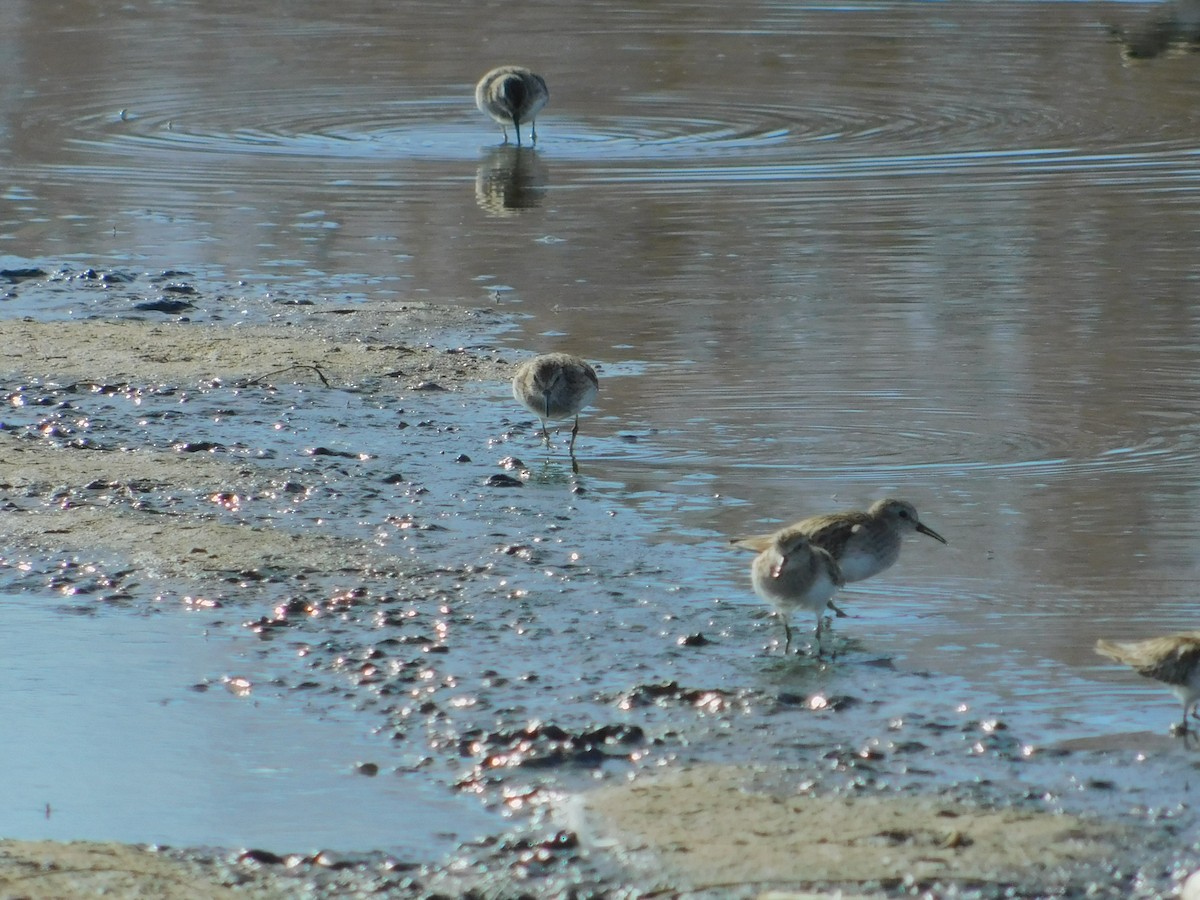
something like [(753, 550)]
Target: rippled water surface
[(824, 252)]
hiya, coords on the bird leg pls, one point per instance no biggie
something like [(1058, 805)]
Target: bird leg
[(787, 633), (574, 431)]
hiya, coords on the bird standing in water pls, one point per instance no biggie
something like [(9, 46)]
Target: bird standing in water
[(1174, 660), (862, 543), (555, 386), (792, 573), (512, 95)]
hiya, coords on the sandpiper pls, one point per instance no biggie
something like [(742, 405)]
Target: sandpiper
[(555, 386), (862, 543), (1174, 660), (791, 573), (512, 95)]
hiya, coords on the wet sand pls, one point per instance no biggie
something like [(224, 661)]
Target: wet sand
[(708, 828), (880, 816)]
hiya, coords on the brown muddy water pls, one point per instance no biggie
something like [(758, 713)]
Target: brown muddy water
[(822, 252)]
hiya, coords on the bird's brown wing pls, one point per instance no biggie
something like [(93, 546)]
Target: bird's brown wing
[(1170, 659), (830, 532)]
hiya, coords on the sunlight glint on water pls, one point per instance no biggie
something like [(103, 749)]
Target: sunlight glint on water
[(939, 250)]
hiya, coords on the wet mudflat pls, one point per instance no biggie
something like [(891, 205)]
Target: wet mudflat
[(507, 643), (821, 254)]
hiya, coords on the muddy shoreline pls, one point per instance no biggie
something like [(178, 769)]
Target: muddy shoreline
[(357, 516)]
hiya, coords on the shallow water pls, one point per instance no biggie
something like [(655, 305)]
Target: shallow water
[(824, 252), (107, 719)]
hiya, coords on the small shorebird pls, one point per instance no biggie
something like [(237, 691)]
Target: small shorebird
[(862, 543), (1174, 660), (791, 573), (512, 95), (555, 386)]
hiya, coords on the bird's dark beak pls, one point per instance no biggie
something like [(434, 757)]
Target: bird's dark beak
[(546, 397), (925, 529)]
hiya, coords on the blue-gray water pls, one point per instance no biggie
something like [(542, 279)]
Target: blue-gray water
[(121, 726), (944, 251)]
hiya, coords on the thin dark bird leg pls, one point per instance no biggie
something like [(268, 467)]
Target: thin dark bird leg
[(545, 394), (574, 431), (533, 130), (838, 611), (787, 634)]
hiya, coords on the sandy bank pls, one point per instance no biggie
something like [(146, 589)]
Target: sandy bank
[(711, 828)]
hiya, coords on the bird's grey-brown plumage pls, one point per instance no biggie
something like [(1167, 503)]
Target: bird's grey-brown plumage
[(555, 386), (512, 95), (863, 543), (791, 573), (1173, 659)]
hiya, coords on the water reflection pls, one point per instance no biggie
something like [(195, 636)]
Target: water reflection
[(1171, 28), (551, 471), (257, 772), (510, 179), (939, 249)]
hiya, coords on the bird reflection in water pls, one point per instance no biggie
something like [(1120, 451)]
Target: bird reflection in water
[(510, 179), (1172, 29)]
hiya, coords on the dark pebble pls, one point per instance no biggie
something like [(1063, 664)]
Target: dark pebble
[(163, 305), (262, 857), (325, 451), (196, 446), (15, 275), (563, 840), (501, 480)]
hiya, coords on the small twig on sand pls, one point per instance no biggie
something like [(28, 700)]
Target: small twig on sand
[(316, 368)]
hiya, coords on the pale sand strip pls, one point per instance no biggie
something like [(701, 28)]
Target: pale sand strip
[(710, 827)]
